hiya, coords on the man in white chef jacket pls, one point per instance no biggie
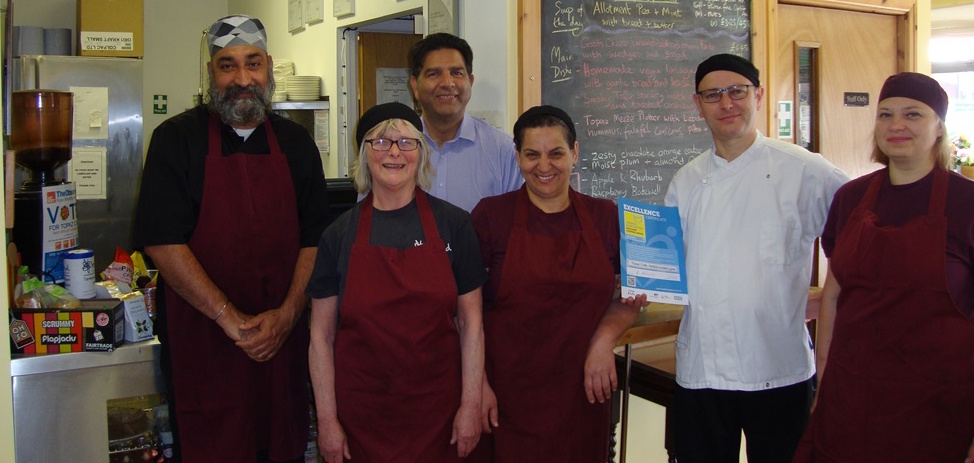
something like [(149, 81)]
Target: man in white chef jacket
[(751, 208)]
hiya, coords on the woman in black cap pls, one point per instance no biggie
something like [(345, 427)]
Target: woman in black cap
[(552, 310), (396, 331), (897, 312)]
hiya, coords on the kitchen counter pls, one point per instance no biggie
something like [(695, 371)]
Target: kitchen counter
[(60, 401), (21, 365)]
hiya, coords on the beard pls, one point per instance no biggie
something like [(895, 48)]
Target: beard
[(238, 111)]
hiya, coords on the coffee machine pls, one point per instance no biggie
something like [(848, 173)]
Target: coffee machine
[(45, 220)]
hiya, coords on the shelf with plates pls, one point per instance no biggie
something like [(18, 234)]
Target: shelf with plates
[(320, 103)]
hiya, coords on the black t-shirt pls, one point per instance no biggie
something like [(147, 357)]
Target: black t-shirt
[(399, 229), (172, 179), (898, 204)]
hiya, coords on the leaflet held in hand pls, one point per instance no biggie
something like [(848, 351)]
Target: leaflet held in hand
[(651, 252)]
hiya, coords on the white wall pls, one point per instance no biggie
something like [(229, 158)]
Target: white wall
[(173, 29), (492, 36)]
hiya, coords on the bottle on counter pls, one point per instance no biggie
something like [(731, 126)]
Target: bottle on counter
[(79, 273)]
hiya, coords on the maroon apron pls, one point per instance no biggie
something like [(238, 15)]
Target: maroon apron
[(553, 293), (397, 349), (899, 385), (247, 239)]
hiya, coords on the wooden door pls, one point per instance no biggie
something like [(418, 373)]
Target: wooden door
[(383, 61), (825, 56), (854, 53)]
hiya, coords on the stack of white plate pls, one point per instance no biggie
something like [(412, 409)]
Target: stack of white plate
[(283, 68), (303, 88)]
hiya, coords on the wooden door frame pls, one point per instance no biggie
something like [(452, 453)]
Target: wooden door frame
[(906, 37), (764, 34)]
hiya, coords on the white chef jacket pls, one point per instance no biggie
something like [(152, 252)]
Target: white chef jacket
[(748, 230)]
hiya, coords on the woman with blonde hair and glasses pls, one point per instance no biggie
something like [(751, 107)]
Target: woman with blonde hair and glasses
[(397, 343), (895, 346)]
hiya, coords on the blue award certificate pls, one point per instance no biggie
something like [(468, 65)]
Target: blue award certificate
[(651, 252)]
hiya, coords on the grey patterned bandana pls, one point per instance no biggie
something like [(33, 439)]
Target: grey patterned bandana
[(236, 30)]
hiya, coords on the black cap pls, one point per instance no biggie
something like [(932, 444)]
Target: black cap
[(544, 110), (918, 87), (384, 112), (727, 62)]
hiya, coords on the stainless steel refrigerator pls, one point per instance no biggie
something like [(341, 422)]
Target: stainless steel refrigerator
[(105, 214)]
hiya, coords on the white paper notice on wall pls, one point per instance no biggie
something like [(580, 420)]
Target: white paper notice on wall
[(442, 16), (392, 84), (321, 134), (86, 170), (343, 7), (90, 113), (295, 15), (314, 11)]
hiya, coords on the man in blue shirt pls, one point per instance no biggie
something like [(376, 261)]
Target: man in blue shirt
[(472, 159)]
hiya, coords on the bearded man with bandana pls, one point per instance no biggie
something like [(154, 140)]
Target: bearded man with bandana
[(232, 203)]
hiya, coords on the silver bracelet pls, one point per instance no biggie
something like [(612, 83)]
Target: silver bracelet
[(220, 313)]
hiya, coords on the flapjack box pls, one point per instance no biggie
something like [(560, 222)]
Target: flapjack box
[(99, 326)]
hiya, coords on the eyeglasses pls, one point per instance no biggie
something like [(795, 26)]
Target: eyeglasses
[(385, 144), (735, 92)]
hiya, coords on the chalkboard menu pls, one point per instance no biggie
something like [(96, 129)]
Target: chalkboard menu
[(624, 71)]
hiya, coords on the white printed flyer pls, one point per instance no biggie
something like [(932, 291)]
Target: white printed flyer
[(651, 252)]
